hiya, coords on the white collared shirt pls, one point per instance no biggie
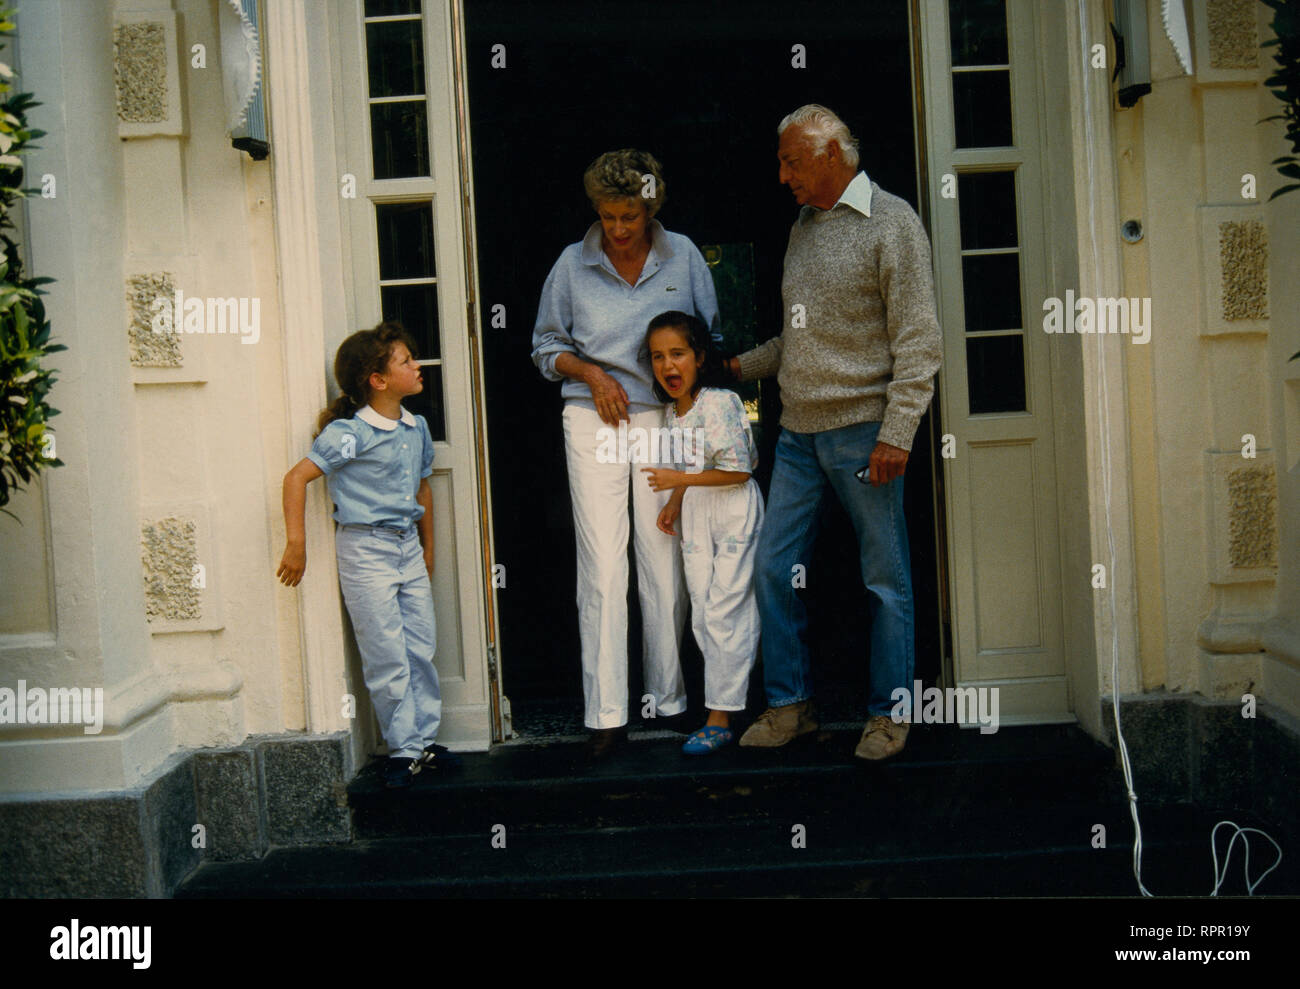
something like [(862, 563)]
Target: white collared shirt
[(857, 194), (374, 466), (367, 414)]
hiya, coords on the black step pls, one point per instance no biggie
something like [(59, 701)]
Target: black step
[(943, 769), (1033, 854)]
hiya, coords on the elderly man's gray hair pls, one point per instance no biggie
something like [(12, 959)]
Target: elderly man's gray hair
[(823, 126)]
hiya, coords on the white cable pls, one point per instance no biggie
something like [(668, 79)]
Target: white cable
[(1227, 857), (1102, 415)]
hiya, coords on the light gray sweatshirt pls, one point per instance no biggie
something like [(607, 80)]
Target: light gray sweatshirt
[(866, 343)]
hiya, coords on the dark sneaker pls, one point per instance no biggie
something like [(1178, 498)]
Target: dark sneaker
[(439, 757), (681, 724), (603, 741), (400, 772)]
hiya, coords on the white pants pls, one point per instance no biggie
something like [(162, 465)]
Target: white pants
[(719, 527), (600, 520)]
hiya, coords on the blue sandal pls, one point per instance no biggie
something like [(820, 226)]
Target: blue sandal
[(708, 739)]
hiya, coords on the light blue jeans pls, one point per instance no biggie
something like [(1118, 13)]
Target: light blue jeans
[(390, 600), (806, 465)]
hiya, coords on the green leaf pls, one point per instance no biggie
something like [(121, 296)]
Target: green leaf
[(1285, 188)]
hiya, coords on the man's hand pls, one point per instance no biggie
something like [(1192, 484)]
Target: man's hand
[(733, 366), (886, 463)]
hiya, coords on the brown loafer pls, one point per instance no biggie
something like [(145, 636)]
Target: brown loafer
[(778, 725)]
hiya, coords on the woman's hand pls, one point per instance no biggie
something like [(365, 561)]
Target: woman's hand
[(607, 394), (293, 565), (664, 478)]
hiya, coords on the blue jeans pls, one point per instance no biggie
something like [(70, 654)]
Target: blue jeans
[(390, 601), (805, 464)]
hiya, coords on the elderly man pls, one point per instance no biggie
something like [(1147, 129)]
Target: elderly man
[(856, 362)]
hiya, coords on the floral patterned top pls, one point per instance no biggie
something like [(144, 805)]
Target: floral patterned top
[(716, 433)]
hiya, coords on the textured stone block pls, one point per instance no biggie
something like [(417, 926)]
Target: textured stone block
[(75, 847), (1158, 733), (306, 791), (229, 805), (140, 71), (146, 73), (169, 816), (1224, 742), (1276, 775), (1242, 523), (170, 554), (1234, 266), (1233, 35), (147, 348), (1252, 517), (1243, 258)]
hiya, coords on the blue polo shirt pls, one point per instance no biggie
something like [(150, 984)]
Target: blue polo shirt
[(374, 466), (588, 310)]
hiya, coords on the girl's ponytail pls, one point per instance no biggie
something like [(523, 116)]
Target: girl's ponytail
[(342, 407), (364, 353)]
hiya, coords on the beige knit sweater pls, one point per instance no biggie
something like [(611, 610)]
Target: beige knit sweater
[(866, 344)]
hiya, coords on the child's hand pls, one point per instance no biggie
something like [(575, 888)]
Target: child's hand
[(668, 515), (663, 478), (293, 565)]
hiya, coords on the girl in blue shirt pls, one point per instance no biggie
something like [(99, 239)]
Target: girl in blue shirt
[(377, 457), (721, 512)]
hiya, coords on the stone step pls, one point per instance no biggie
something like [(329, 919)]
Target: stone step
[(944, 770), (1037, 852)]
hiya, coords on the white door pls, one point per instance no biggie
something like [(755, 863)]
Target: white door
[(1000, 487), (401, 185)]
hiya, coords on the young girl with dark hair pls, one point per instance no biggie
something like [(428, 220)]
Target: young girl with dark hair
[(378, 457), (721, 513)]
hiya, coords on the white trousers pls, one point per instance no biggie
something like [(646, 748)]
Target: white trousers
[(600, 519), (719, 527)]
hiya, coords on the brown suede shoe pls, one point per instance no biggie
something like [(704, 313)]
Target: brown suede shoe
[(881, 738), (778, 725), (603, 741)]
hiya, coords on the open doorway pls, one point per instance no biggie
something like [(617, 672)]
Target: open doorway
[(702, 87)]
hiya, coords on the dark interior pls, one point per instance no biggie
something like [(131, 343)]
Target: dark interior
[(702, 87)]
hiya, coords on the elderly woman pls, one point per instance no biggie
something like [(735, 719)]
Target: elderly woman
[(591, 323)]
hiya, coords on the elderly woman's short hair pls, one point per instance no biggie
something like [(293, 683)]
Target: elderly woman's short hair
[(823, 126), (626, 174)]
